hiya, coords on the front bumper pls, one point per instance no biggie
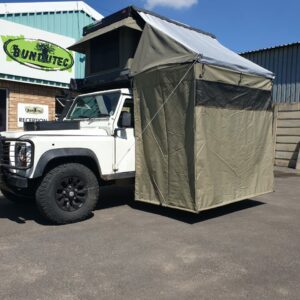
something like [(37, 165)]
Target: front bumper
[(17, 181), (11, 181)]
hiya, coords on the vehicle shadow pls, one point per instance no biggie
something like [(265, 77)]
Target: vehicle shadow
[(125, 196), (20, 213), (113, 196), (192, 218)]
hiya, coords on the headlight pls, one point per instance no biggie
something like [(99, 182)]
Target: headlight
[(23, 154)]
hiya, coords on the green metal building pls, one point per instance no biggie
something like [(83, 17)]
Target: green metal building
[(65, 18), (36, 66)]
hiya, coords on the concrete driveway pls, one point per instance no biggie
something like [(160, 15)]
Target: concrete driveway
[(127, 250)]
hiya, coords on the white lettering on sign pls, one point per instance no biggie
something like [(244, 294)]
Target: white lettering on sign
[(31, 113)]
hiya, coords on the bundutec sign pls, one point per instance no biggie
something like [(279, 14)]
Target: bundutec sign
[(27, 52), (38, 54)]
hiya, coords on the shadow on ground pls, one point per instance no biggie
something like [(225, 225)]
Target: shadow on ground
[(286, 174), (192, 218), (125, 196), (118, 196), (19, 213)]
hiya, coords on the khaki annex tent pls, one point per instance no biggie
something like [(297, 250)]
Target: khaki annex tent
[(203, 118)]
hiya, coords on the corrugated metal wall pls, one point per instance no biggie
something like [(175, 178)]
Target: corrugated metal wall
[(284, 62), (68, 23)]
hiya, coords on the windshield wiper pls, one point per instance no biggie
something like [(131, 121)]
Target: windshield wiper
[(92, 119)]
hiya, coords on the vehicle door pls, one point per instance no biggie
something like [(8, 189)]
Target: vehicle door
[(125, 139)]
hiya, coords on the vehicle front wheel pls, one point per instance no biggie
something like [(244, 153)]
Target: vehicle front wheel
[(68, 193)]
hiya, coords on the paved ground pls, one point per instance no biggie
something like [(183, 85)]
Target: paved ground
[(132, 251)]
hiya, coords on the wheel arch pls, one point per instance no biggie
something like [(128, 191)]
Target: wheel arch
[(54, 157)]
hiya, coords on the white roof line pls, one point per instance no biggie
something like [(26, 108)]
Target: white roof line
[(37, 7)]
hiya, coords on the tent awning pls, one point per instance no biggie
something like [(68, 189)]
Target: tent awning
[(208, 47)]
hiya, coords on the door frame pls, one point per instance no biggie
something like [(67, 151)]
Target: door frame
[(6, 99)]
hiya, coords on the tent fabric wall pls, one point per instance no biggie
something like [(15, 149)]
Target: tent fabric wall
[(233, 142), (164, 147), (209, 145), (156, 49), (222, 75), (211, 142)]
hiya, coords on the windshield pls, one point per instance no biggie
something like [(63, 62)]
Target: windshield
[(94, 106)]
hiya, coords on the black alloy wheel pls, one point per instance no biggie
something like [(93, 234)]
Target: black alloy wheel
[(68, 193), (71, 193)]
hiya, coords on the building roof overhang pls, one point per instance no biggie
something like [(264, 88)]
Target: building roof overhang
[(42, 7)]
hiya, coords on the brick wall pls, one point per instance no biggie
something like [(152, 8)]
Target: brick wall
[(28, 93)]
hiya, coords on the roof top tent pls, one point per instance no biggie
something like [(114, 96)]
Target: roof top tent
[(109, 45), (203, 114)]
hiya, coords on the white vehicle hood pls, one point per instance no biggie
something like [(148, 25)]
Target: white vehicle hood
[(77, 132)]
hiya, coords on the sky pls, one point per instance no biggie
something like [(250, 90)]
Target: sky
[(241, 25)]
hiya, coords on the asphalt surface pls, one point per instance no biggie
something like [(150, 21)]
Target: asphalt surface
[(127, 250)]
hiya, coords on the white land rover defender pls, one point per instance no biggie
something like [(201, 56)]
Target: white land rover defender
[(63, 168)]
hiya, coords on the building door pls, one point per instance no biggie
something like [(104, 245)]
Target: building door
[(3, 110)]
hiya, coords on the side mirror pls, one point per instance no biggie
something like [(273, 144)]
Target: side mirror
[(125, 121)]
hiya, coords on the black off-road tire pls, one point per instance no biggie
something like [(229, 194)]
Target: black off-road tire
[(53, 196), (16, 198)]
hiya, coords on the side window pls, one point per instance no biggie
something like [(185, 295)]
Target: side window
[(127, 107)]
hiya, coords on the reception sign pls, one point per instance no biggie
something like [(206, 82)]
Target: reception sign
[(31, 113), (33, 53)]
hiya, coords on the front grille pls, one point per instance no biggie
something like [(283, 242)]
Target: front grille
[(8, 153)]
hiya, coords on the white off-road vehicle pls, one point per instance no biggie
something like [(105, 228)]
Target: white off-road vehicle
[(63, 168)]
